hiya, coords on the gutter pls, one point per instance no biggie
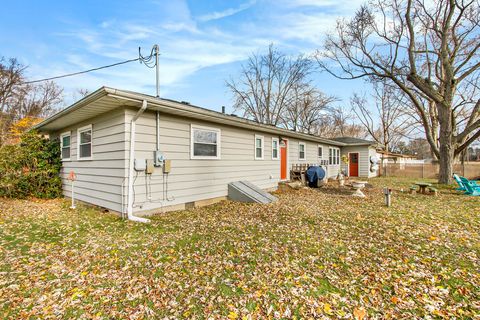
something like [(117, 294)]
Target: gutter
[(361, 145), (131, 169), (210, 115), (191, 111), (77, 105)]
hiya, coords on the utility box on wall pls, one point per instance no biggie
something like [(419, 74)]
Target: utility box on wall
[(150, 167), (140, 164), (167, 166)]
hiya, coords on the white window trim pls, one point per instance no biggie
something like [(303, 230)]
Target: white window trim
[(278, 149), (219, 144), (255, 145), (304, 151), (335, 156), (80, 130), (320, 147), (62, 135)]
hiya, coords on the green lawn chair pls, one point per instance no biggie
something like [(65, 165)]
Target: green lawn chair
[(471, 189), (459, 182)]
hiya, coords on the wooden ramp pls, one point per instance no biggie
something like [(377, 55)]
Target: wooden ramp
[(245, 191)]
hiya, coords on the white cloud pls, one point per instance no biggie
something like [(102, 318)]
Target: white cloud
[(184, 48), (226, 13), (107, 23), (305, 27), (338, 5), (187, 45)]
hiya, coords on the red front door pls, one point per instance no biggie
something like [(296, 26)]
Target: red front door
[(353, 165), (283, 160)]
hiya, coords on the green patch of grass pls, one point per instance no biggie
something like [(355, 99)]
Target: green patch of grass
[(226, 290), (313, 254), (323, 287)]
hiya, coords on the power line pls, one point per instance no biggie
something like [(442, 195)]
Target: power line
[(85, 71), (148, 61)]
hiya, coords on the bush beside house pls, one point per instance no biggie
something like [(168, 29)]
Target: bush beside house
[(30, 168)]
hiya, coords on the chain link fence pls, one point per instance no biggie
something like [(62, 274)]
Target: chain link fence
[(470, 170)]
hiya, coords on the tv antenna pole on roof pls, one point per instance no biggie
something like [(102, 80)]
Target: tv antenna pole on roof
[(148, 61)]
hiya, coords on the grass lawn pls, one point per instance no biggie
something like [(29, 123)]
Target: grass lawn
[(313, 254)]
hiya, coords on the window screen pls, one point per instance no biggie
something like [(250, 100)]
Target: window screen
[(205, 143)]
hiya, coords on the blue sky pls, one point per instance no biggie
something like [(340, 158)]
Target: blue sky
[(202, 43)]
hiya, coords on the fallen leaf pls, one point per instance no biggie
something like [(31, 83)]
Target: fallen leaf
[(359, 313), (327, 308)]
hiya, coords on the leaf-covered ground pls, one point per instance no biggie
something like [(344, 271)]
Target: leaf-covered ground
[(313, 254)]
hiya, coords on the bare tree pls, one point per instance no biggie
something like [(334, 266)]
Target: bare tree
[(79, 93), (37, 101), (83, 92), (266, 85), (11, 75), (419, 147), (385, 122), (19, 100), (292, 116), (429, 51), (338, 122), (307, 106), (467, 92)]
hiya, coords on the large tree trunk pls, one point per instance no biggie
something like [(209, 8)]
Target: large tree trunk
[(447, 149), (446, 163)]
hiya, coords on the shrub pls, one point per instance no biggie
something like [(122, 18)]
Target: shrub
[(31, 168)]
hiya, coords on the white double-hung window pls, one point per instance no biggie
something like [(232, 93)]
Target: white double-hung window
[(333, 156), (259, 146), (302, 151), (320, 151), (84, 143), (275, 144), (65, 140), (204, 142)]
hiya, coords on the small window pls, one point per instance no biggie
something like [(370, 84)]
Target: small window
[(320, 151), (205, 143), (333, 156), (301, 151), (84, 138), (258, 147), (275, 144), (65, 145)]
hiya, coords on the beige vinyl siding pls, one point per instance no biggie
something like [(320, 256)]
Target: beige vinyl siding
[(98, 180), (364, 153), (197, 179), (311, 155), (294, 152)]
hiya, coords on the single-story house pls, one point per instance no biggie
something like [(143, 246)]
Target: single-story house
[(135, 153), (397, 158), (361, 155)]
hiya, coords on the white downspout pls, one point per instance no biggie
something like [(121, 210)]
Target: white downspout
[(131, 169), (158, 130)]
